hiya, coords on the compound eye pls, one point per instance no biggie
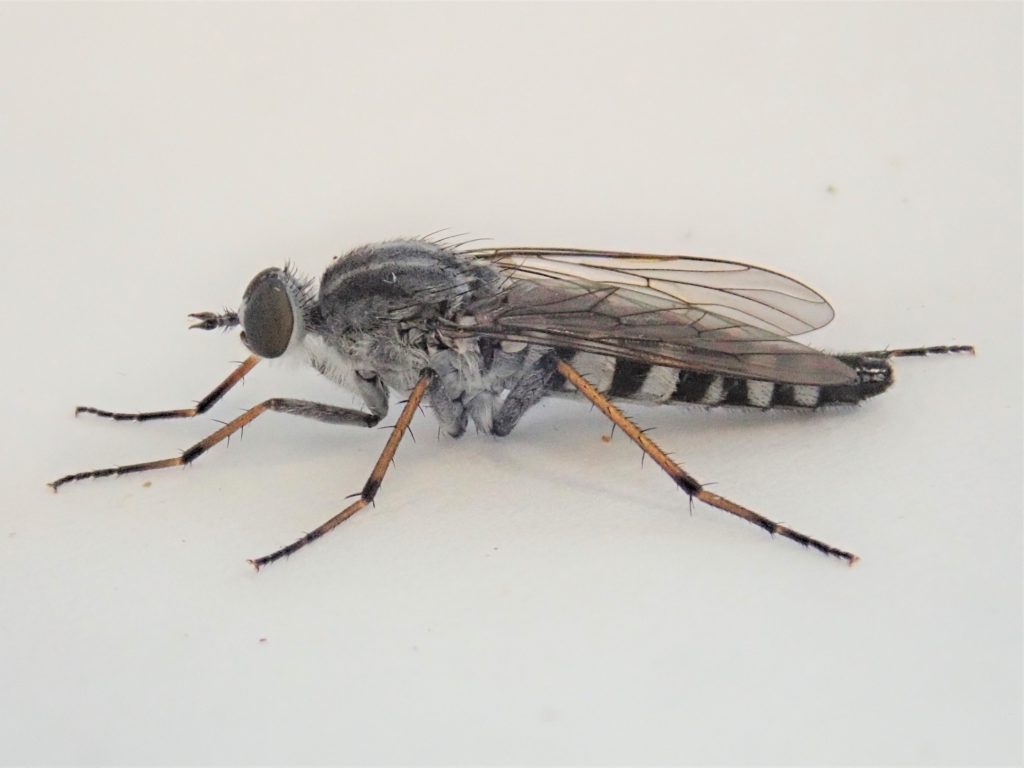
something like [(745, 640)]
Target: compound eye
[(268, 318)]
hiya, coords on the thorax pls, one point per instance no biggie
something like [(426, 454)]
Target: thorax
[(380, 308)]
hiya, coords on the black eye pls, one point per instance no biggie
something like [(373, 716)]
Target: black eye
[(268, 317)]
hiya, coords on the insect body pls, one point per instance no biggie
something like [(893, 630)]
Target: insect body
[(482, 335)]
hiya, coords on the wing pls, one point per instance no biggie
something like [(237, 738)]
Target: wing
[(634, 324), (751, 295)]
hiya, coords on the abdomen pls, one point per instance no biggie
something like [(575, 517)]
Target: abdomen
[(629, 380)]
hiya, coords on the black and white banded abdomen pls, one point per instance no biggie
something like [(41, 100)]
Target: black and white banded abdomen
[(657, 384)]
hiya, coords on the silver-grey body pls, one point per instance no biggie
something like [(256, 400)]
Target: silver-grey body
[(386, 312), (492, 337)]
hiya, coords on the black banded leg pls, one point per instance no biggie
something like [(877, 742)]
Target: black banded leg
[(684, 480), (372, 484), (182, 413), (310, 410)]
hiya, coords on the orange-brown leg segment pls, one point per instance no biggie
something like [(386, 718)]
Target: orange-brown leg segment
[(327, 413), (182, 413), (684, 480), (372, 485)]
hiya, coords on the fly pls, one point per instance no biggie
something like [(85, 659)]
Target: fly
[(483, 334)]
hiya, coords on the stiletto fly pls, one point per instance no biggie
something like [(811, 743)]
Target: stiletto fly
[(483, 334)]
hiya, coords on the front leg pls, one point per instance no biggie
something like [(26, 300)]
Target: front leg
[(182, 413), (305, 408)]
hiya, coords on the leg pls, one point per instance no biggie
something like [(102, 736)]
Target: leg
[(451, 414), (524, 394), (684, 480), (318, 411), (923, 351), (201, 407), (372, 484)]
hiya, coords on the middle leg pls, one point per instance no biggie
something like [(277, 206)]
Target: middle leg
[(305, 408), (533, 385), (372, 485)]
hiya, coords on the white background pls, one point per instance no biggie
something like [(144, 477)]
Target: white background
[(538, 599)]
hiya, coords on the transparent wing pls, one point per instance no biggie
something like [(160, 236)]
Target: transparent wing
[(751, 295), (624, 322)]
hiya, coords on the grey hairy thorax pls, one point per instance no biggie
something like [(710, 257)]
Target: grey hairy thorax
[(386, 312)]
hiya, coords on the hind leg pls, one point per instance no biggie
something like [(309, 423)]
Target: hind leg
[(685, 480), (874, 373), (922, 351)]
